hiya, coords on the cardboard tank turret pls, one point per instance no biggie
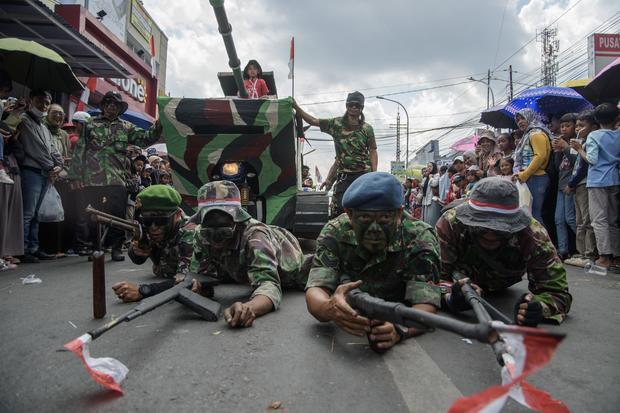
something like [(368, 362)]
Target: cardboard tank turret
[(254, 143)]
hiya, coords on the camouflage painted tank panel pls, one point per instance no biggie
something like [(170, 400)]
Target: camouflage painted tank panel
[(195, 145)]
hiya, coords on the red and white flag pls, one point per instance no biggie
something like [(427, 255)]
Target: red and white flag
[(528, 350), (153, 64), (291, 60), (106, 371), (317, 173), (91, 85)]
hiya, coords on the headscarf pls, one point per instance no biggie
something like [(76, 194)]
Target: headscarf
[(534, 121)]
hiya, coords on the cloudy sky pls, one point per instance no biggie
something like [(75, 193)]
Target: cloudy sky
[(420, 53)]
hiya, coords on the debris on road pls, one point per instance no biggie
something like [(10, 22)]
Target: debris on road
[(31, 279)]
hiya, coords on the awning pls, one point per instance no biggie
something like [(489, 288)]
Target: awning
[(31, 20)]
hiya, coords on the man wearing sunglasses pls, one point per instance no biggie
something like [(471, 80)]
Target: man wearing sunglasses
[(383, 251), (168, 241), (230, 245), (100, 168), (356, 149), (494, 242)]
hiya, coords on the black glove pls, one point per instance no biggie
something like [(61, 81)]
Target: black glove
[(456, 301), (533, 312)]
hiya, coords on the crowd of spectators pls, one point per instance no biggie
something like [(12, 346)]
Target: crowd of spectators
[(37, 150), (569, 170)]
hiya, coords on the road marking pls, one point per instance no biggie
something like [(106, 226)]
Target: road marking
[(423, 385)]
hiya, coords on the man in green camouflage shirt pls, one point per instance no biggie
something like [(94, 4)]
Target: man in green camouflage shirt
[(100, 168), (356, 149), (383, 251), (167, 241), (230, 245), (494, 242)]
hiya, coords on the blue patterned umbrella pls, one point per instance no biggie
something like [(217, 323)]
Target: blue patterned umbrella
[(549, 101)]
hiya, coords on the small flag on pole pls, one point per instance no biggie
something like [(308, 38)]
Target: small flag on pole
[(106, 371), (526, 354), (91, 85), (291, 61), (317, 173), (153, 65)]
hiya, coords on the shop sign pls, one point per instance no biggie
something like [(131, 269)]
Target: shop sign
[(603, 48), (140, 20), (133, 88)]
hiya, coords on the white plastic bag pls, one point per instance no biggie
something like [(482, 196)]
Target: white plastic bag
[(525, 197), (51, 206)]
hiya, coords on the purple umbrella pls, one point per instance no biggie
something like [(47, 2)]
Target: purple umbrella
[(549, 100), (605, 85)]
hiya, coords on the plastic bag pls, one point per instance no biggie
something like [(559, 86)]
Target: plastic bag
[(525, 197), (51, 206)]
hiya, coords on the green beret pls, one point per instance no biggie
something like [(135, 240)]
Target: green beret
[(158, 198)]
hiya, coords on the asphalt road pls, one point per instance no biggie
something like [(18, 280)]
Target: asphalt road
[(179, 362)]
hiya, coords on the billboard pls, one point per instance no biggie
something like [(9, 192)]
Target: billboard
[(115, 17), (141, 20), (603, 48), (397, 167)]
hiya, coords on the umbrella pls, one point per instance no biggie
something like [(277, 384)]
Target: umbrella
[(36, 66), (498, 117), (549, 101), (465, 144), (605, 85), (161, 149)]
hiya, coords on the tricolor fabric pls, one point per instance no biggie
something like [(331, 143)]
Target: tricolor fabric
[(317, 173), (153, 65), (91, 85), (291, 61), (106, 371), (528, 350)]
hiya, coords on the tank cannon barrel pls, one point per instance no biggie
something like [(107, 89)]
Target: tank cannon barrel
[(225, 30)]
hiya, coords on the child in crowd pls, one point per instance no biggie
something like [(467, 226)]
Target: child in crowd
[(165, 178), (602, 152), (146, 176), (254, 84), (585, 240), (472, 178), (506, 166), (563, 160)]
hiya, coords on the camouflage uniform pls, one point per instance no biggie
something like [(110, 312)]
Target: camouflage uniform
[(406, 272), (173, 255), (264, 256), (529, 250), (352, 146)]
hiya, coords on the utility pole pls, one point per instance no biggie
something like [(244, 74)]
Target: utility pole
[(511, 89), (398, 135), (548, 55), (488, 87)]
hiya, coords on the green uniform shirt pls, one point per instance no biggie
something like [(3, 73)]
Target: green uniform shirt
[(264, 256), (352, 147), (528, 251), (100, 156), (406, 272), (173, 255)]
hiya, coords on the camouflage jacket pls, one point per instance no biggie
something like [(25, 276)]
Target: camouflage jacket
[(173, 255), (352, 146), (100, 156), (264, 256), (407, 271), (528, 251)]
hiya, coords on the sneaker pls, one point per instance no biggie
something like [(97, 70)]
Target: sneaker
[(117, 255), (84, 251), (44, 256), (5, 178), (577, 261), (29, 259)]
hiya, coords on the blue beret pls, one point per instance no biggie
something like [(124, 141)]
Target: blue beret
[(374, 191)]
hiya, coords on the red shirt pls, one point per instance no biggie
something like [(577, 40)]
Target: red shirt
[(256, 88)]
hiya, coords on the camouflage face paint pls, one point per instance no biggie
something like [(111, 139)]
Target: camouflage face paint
[(374, 230)]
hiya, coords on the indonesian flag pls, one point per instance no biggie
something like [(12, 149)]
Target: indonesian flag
[(291, 60), (106, 371), (91, 85), (153, 65), (317, 173), (528, 350)]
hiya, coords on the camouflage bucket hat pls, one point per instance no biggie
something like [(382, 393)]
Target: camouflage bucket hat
[(222, 196), (116, 98), (494, 204)]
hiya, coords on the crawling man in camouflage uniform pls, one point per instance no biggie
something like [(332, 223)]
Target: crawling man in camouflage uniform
[(232, 246), (383, 251), (167, 242), (356, 148), (494, 242), (100, 168)]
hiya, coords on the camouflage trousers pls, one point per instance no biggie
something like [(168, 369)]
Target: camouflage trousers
[(342, 184)]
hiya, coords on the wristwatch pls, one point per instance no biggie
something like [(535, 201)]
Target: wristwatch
[(402, 331), (144, 290)]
